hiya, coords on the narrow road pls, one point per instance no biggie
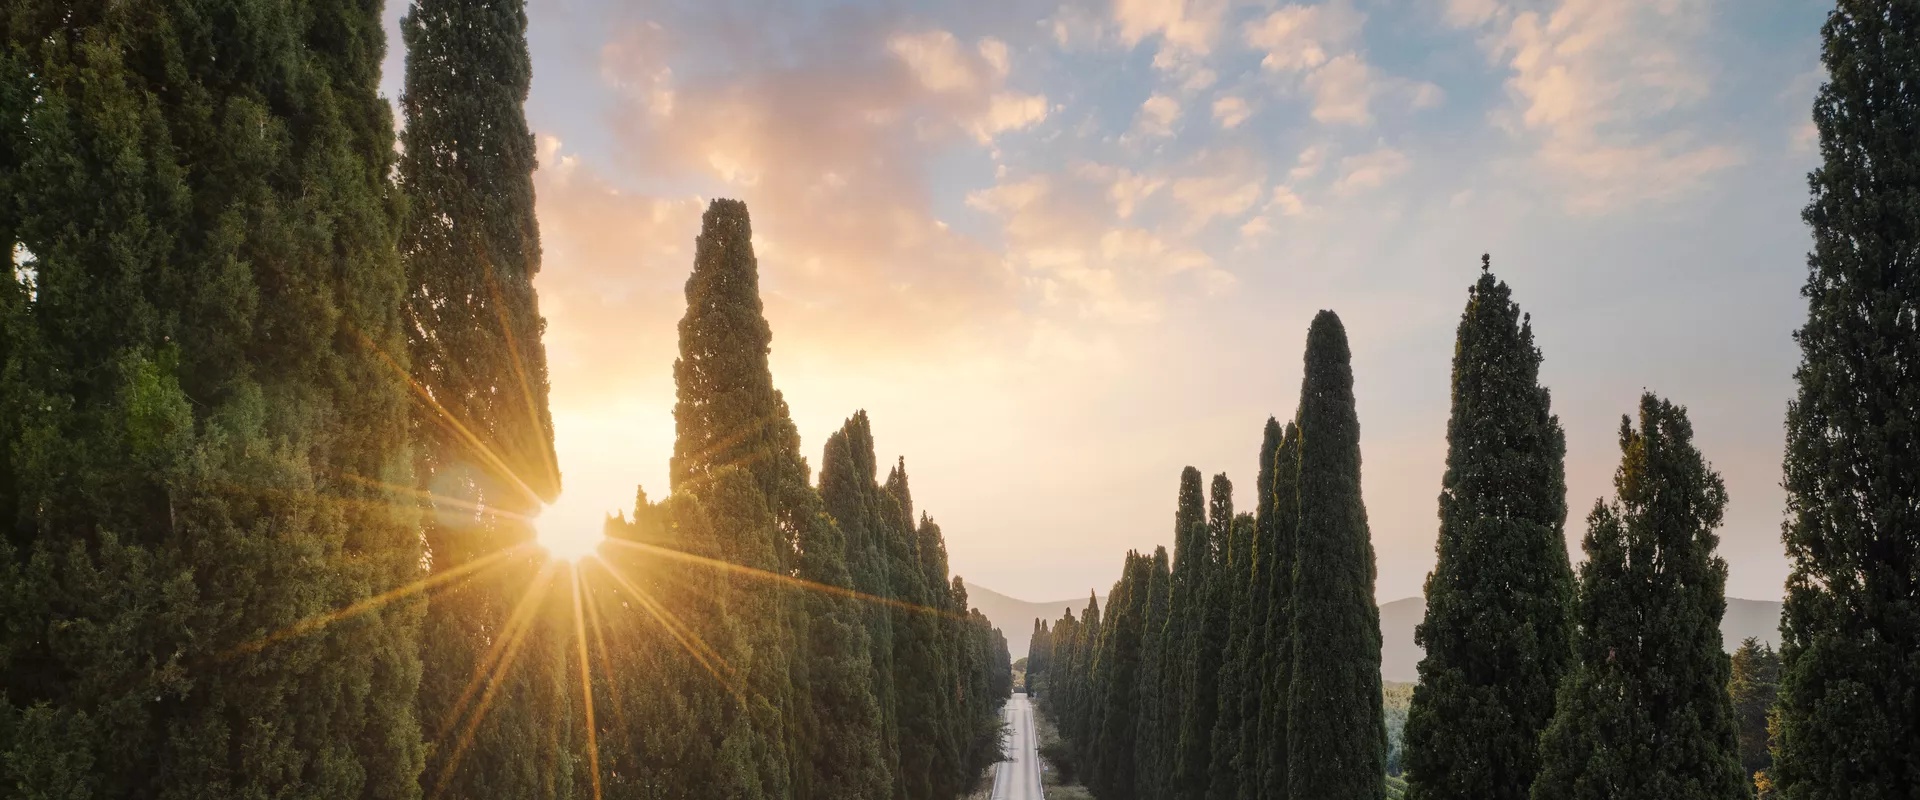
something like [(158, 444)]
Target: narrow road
[(1018, 777)]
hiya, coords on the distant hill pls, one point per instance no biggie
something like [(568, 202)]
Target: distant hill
[(1399, 657), (1014, 617)]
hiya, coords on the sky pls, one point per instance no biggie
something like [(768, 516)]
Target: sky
[(1061, 249)]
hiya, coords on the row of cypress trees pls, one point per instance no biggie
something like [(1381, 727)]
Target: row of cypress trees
[(805, 642), (1266, 682), (1248, 665), (1537, 684), (242, 335)]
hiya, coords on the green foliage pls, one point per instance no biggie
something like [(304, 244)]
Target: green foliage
[(1497, 632), (1645, 711), (1336, 737), (1215, 589), (1753, 686), (470, 246), (1850, 689), (199, 412), (1282, 518)]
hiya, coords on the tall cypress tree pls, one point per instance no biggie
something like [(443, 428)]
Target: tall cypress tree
[(853, 498), (1337, 735), (1113, 768), (1277, 690), (1644, 711), (1850, 694), (199, 408), (737, 452), (1176, 635), (1214, 592), (1253, 657), (1149, 780), (470, 245), (1497, 631)]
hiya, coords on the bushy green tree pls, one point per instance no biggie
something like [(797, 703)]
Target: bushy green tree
[(1644, 711), (852, 496), (1336, 735), (1850, 692), (202, 410), (1150, 734), (1497, 630)]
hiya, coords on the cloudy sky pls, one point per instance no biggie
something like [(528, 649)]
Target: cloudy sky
[(1060, 250)]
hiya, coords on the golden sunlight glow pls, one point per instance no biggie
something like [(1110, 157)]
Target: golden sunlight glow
[(570, 529)]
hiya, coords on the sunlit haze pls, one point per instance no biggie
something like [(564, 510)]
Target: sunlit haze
[(1060, 250)]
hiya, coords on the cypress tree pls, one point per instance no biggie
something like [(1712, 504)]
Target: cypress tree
[(1149, 780), (1497, 632), (1253, 655), (1277, 653), (924, 734), (1231, 589), (1113, 767), (852, 496), (1753, 687), (201, 287), (1184, 613), (1213, 591), (1644, 711), (1849, 718), (470, 246), (1337, 735), (736, 451)]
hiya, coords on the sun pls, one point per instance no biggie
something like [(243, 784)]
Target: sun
[(570, 529)]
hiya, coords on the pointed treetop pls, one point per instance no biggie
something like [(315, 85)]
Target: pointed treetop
[(1486, 262)]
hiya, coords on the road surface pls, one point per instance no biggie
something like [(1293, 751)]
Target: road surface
[(1018, 777)]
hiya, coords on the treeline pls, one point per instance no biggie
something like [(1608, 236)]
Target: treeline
[(274, 424), (833, 656), (1248, 667)]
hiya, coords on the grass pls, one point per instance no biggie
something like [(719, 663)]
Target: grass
[(1052, 747)]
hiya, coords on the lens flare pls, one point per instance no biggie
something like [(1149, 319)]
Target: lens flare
[(570, 530)]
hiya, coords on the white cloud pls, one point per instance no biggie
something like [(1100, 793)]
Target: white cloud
[(1605, 90), (1343, 91), (1157, 115), (1301, 37), (1008, 111), (1370, 170), (1231, 110), (1186, 25), (938, 60)]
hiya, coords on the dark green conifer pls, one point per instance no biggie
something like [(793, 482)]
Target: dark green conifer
[(1114, 768), (470, 246), (1283, 512), (1231, 589), (1337, 735), (1253, 656), (1850, 691), (852, 496), (1753, 686), (1497, 631), (1214, 592), (1644, 711), (1150, 781)]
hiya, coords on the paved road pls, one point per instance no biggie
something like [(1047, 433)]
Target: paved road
[(1018, 777)]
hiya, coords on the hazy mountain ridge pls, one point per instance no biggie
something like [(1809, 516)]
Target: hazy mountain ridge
[(1399, 656)]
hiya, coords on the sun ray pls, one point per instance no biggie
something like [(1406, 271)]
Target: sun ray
[(519, 619), (596, 622), (787, 580), (526, 388), (586, 679), (447, 421), (441, 499), (430, 582), (512, 642), (711, 661)]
